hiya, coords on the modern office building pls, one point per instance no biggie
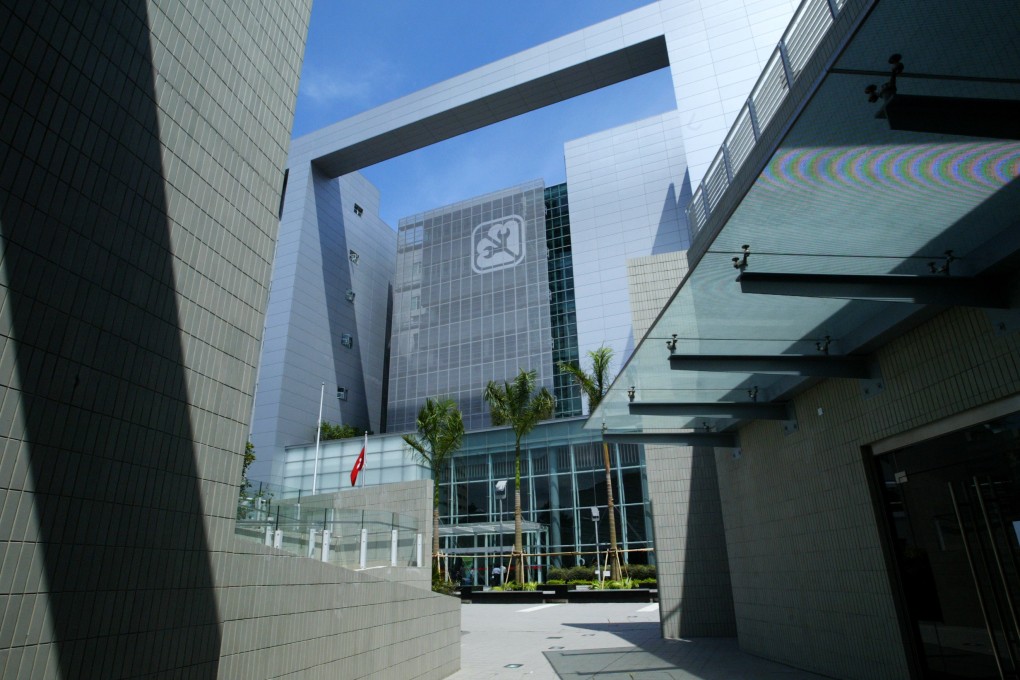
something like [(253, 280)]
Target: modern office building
[(142, 155), (327, 322), (632, 180), (843, 350), (471, 303), (629, 190)]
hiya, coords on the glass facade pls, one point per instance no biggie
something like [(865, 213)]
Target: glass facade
[(562, 477), (471, 303), (562, 314)]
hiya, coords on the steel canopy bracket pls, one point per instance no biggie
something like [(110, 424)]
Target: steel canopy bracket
[(874, 383)]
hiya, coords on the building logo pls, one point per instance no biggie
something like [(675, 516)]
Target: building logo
[(498, 244)]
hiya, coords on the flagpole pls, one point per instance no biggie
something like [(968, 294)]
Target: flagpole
[(318, 434), (366, 458)]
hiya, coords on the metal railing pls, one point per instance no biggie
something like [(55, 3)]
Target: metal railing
[(354, 539), (807, 29)]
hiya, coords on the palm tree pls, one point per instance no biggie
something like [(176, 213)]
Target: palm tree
[(595, 385), (440, 433), (518, 405)]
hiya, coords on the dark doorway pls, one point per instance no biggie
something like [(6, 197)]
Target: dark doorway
[(953, 510)]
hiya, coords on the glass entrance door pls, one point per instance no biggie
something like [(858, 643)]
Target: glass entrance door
[(953, 506)]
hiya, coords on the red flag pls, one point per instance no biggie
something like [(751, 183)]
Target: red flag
[(358, 465)]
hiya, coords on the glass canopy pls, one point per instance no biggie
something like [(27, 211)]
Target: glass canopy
[(841, 194)]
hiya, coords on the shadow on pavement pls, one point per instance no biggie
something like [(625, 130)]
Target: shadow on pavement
[(653, 658)]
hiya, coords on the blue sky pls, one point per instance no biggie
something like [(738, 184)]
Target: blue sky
[(362, 54)]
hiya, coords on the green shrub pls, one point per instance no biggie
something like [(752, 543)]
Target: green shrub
[(578, 573), (530, 587), (557, 574), (442, 586), (648, 583), (555, 582), (639, 571), (579, 582)]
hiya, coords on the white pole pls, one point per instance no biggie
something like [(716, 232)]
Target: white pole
[(419, 546), (318, 433), (364, 474), (364, 548), (393, 548), (325, 545)]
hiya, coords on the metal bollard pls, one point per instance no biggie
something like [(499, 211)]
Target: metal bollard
[(278, 539), (269, 537), (311, 542), (419, 551), (364, 548), (393, 547), (325, 545)]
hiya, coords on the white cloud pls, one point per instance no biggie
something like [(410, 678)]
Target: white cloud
[(362, 87)]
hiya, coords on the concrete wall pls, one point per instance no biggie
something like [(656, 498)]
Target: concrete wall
[(140, 181), (810, 585)]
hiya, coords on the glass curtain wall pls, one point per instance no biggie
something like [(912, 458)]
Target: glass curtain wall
[(562, 313), (562, 477), (471, 303)]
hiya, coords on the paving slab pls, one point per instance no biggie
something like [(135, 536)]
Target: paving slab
[(605, 641)]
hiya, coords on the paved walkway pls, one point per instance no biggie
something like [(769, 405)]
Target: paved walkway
[(616, 641)]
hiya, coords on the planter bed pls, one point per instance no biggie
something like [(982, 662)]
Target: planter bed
[(629, 595), (504, 596), (556, 594)]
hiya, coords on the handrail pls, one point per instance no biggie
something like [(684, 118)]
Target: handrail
[(808, 27)]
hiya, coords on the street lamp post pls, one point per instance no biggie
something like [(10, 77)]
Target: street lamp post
[(501, 496), (595, 521)]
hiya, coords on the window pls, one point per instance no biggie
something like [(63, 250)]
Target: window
[(415, 302), (358, 210), (341, 393), (347, 340), (349, 295), (353, 256)]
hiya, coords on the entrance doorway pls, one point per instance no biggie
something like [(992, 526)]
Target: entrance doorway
[(953, 510)]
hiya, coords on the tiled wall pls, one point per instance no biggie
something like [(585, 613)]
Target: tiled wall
[(690, 549), (810, 585), (651, 281), (141, 161)]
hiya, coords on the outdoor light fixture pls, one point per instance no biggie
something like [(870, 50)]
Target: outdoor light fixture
[(501, 489), (741, 262), (671, 344), (823, 345), (753, 393), (888, 88), (630, 393), (944, 267)]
